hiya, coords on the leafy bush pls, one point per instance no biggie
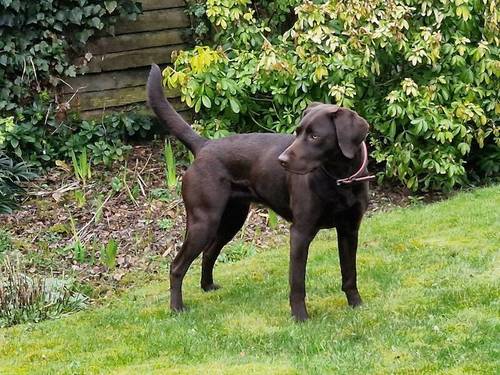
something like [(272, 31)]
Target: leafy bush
[(425, 74), (11, 174), (25, 299), (37, 42)]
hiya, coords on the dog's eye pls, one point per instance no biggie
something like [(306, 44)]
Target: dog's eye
[(313, 137)]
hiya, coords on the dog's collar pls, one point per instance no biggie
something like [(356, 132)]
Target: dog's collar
[(356, 176)]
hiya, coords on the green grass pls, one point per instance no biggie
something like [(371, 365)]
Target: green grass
[(429, 276)]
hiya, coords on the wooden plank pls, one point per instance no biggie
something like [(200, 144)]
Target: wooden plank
[(113, 98), (106, 81), (154, 20), (140, 108), (161, 4), (128, 42), (130, 59)]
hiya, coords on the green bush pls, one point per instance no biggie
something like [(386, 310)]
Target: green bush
[(37, 42), (425, 74), (11, 173)]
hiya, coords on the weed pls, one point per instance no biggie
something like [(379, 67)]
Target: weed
[(81, 166), (272, 219), (170, 173), (163, 195), (116, 184), (108, 254), (236, 251), (80, 198), (79, 251), (416, 200), (77, 247), (165, 223)]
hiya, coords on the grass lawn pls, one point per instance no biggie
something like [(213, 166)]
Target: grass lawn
[(429, 276)]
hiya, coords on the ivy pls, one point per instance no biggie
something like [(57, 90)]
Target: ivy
[(425, 74), (38, 40)]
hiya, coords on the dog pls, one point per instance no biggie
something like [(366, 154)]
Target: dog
[(316, 179)]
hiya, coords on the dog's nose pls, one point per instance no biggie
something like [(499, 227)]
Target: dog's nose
[(283, 159)]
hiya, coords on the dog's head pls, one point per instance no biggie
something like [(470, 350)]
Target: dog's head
[(326, 131)]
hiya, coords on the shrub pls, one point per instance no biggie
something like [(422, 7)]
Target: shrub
[(11, 174), (425, 74)]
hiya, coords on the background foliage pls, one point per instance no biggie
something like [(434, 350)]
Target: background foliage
[(37, 42), (425, 74)]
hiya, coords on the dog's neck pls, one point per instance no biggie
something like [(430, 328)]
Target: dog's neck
[(338, 166)]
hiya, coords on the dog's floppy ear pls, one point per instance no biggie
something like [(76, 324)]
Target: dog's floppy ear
[(351, 130), (310, 107)]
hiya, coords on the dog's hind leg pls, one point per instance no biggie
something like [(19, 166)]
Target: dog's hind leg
[(205, 203), (232, 220)]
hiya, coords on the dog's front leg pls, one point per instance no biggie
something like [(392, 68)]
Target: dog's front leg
[(300, 238), (348, 246)]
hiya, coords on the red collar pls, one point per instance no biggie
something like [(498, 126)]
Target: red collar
[(356, 176)]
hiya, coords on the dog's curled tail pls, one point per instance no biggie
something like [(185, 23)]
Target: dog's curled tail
[(172, 121)]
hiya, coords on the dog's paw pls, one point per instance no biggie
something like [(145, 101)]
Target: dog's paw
[(178, 309), (354, 300), (210, 287), (300, 314)]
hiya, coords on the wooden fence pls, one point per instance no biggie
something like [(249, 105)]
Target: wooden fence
[(117, 66)]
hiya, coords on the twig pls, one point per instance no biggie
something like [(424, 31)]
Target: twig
[(64, 189), (139, 180), (258, 124), (38, 88), (147, 162), (47, 114)]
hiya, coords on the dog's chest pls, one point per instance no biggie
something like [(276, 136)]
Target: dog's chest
[(332, 213)]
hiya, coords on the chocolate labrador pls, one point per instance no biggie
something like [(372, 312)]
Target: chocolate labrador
[(316, 179)]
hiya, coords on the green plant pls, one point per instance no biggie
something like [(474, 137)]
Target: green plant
[(272, 219), (11, 174), (116, 184), (33, 299), (165, 223), (81, 166), (236, 251), (80, 198), (108, 152), (76, 246), (170, 164), (200, 25), (424, 74), (161, 194), (109, 253)]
